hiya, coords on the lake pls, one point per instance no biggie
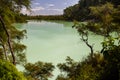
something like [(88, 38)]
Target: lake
[(53, 41)]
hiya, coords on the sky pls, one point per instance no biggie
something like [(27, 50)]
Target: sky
[(49, 7)]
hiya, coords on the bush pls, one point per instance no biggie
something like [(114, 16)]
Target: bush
[(9, 72)]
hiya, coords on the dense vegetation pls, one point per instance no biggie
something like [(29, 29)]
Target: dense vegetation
[(102, 18), (81, 11), (46, 17)]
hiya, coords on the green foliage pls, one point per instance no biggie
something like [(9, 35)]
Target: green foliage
[(69, 68), (92, 68), (81, 11), (104, 15), (88, 72), (9, 72), (38, 70), (105, 25), (9, 10), (88, 69), (9, 36), (110, 42), (104, 21)]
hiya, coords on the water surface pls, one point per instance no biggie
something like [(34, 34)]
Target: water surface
[(53, 41)]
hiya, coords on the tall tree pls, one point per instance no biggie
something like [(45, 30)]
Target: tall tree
[(9, 35)]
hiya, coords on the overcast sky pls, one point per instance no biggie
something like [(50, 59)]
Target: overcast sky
[(49, 7)]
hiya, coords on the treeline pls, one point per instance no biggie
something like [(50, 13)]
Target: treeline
[(47, 17), (20, 18), (81, 11)]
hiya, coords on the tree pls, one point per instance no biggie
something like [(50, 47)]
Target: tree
[(38, 70), (87, 69), (71, 12), (69, 69), (9, 35), (105, 23), (83, 32)]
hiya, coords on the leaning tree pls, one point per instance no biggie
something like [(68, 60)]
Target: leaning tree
[(10, 46)]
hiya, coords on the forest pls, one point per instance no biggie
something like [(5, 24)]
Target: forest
[(102, 17)]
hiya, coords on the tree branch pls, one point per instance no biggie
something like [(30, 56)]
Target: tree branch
[(86, 42)]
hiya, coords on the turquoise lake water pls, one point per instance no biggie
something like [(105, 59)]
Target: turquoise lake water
[(53, 41)]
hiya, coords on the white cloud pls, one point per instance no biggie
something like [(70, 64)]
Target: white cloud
[(25, 11), (37, 8), (50, 5), (58, 10)]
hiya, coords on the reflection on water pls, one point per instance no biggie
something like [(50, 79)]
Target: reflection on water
[(53, 41)]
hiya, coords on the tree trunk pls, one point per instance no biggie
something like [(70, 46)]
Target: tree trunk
[(8, 39), (4, 49), (90, 46)]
